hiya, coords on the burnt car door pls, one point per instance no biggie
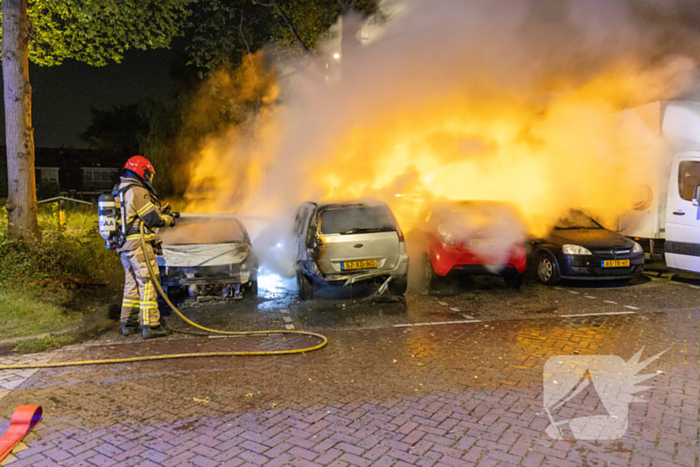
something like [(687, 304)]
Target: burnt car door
[(301, 229)]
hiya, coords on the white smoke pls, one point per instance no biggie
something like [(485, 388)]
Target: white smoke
[(478, 99)]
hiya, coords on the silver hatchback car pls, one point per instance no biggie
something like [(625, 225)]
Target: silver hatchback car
[(341, 243)]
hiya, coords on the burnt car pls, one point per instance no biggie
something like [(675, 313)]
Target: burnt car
[(209, 256), (580, 248), (341, 243)]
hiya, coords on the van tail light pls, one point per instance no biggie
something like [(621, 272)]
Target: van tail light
[(400, 234), (444, 230)]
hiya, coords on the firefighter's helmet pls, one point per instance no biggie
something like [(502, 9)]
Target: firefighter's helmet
[(141, 167)]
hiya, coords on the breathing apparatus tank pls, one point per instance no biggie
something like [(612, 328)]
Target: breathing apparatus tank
[(108, 219)]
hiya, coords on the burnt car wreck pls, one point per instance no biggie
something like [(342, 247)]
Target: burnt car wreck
[(208, 256)]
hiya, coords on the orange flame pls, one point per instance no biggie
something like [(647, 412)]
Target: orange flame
[(545, 143)]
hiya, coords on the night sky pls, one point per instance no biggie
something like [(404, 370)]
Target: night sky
[(64, 94)]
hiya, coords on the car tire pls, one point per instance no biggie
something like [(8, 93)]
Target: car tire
[(430, 279), (398, 285), (547, 269), (304, 286), (252, 291), (513, 279)]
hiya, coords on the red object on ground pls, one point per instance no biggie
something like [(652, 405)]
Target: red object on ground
[(23, 421)]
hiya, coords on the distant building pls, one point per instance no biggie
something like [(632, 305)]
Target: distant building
[(83, 172)]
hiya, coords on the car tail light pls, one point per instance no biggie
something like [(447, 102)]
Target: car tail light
[(444, 230), (400, 234)]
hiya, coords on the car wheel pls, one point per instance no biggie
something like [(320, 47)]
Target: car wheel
[(547, 269), (430, 279), (514, 279), (398, 285), (304, 286), (252, 291)]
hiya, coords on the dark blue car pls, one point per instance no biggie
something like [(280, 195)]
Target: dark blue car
[(580, 248)]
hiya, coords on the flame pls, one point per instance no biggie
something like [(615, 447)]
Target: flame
[(543, 140)]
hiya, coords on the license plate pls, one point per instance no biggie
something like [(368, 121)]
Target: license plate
[(616, 263), (364, 264), (482, 242)]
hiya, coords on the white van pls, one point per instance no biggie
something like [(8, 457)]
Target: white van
[(664, 137)]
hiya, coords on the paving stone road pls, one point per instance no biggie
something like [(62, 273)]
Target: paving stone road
[(441, 395)]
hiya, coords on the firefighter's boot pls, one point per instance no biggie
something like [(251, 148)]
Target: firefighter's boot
[(131, 326), (153, 332)]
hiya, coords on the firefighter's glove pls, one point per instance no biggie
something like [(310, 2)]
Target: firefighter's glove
[(166, 209), (158, 249), (168, 219)]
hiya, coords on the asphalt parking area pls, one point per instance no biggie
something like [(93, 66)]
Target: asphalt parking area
[(480, 299)]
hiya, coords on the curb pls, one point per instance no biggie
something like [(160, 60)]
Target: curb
[(14, 340)]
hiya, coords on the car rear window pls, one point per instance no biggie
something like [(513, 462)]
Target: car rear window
[(356, 219)]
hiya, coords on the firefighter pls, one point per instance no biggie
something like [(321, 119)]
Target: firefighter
[(141, 203)]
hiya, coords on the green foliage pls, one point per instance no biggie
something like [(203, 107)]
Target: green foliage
[(59, 256), (44, 344), (226, 30), (76, 253), (99, 31), (24, 313)]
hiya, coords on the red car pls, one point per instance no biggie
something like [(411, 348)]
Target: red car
[(472, 237)]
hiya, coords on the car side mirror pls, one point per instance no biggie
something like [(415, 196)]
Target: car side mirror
[(696, 198)]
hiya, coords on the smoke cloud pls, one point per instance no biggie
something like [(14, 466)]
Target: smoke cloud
[(504, 101)]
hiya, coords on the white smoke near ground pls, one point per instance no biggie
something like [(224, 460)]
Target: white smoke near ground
[(488, 230), (505, 101)]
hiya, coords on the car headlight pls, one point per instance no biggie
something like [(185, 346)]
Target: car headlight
[(637, 248), (244, 272), (575, 250), (245, 275)]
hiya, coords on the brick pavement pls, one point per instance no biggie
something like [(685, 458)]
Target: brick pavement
[(9, 380), (439, 396)]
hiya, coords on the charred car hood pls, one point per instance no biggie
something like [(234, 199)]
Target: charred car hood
[(590, 238), (205, 254)]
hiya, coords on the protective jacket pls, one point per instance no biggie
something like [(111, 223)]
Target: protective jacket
[(142, 205)]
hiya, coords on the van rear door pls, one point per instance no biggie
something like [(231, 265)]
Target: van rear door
[(682, 246)]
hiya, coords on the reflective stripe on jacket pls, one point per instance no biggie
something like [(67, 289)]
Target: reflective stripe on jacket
[(140, 207)]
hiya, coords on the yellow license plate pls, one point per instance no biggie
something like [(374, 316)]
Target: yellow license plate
[(616, 263), (482, 242), (364, 264)]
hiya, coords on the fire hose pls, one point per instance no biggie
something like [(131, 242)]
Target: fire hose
[(154, 278)]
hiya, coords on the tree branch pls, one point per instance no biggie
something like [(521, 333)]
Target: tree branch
[(273, 4), (252, 63)]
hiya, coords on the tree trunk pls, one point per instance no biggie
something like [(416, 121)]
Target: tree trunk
[(19, 134)]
